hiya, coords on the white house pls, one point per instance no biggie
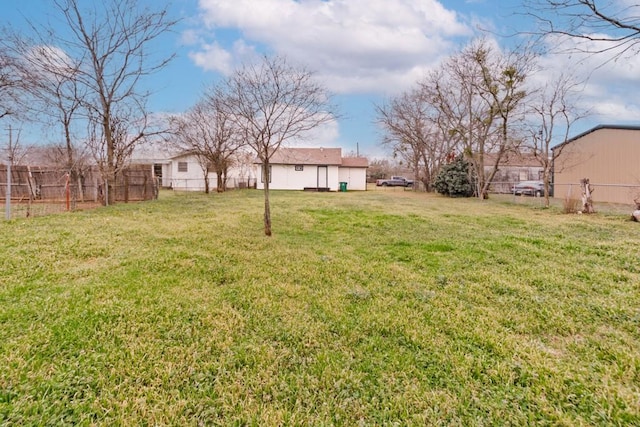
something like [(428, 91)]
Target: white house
[(321, 169), (183, 171), (187, 172)]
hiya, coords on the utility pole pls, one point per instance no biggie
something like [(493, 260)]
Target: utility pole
[(8, 192)]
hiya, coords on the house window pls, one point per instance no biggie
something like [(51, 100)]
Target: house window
[(262, 174), (299, 168), (182, 167)]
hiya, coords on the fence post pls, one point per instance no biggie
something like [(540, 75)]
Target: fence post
[(8, 192), (68, 192)]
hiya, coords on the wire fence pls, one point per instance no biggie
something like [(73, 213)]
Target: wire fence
[(198, 184), (607, 198)]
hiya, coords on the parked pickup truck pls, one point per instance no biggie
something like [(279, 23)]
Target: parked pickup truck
[(395, 181)]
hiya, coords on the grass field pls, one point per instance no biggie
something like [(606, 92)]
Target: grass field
[(370, 308)]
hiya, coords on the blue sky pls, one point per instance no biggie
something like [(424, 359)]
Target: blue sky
[(364, 51)]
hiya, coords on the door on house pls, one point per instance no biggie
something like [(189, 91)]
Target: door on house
[(323, 177)]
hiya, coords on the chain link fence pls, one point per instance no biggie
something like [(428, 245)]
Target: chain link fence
[(198, 184)]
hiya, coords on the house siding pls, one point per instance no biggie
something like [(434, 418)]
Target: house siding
[(608, 157), (315, 162), (192, 179), (285, 177), (356, 178)]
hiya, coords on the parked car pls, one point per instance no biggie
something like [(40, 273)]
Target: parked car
[(395, 181), (531, 188)]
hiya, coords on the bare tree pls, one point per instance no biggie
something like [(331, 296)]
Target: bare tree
[(111, 41), (12, 81), (15, 151), (379, 169), (405, 122), (129, 125), (271, 103), (479, 94), (553, 113), (55, 96), (599, 26), (189, 133), (207, 131), (244, 162)]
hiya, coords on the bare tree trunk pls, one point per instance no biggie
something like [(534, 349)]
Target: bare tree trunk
[(126, 186), (545, 181), (267, 207), (587, 200), (635, 215), (220, 177), (111, 169)]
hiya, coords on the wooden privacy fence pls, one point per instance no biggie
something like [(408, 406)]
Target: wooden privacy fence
[(54, 186)]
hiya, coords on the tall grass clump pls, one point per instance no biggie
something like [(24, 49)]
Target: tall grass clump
[(570, 205), (363, 308)]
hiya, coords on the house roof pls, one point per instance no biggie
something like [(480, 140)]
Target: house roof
[(307, 156), (596, 128), (513, 159), (355, 162), (152, 153), (315, 156)]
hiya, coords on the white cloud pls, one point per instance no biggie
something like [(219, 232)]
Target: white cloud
[(611, 78), (324, 135), (615, 110), (190, 37), (354, 45), (213, 57)]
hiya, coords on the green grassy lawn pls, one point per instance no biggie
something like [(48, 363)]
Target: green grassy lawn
[(370, 308)]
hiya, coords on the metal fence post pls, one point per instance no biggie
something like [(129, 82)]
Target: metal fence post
[(8, 192)]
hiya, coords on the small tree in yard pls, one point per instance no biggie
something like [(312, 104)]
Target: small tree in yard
[(273, 102), (454, 179), (207, 131), (553, 111)]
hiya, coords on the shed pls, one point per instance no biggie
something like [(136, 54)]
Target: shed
[(608, 155)]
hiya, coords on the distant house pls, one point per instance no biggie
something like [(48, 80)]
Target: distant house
[(320, 169), (513, 168), (158, 156), (185, 171), (608, 155)]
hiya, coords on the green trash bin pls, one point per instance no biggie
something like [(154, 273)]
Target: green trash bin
[(343, 186)]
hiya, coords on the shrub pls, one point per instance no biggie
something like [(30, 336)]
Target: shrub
[(454, 180)]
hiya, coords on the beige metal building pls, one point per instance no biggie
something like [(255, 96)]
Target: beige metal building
[(608, 155)]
